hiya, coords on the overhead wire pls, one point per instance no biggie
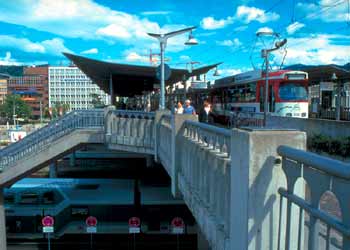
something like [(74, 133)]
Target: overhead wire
[(281, 27)]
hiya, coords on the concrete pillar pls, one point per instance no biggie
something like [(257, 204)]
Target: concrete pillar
[(111, 91), (149, 161), (177, 123), (202, 243), (157, 118), (108, 122), (53, 170), (255, 179), (3, 244), (72, 159)]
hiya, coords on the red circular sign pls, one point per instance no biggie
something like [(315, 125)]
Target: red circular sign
[(134, 222), (47, 221), (177, 222), (91, 221)]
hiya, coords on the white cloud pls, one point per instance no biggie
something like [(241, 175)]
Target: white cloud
[(209, 23), (135, 57), (185, 58), (248, 14), (89, 20), (230, 43), (82, 19), (229, 72), (320, 49), (265, 29), (7, 60), (114, 30), (292, 28), (54, 46), (90, 51), (241, 28), (325, 10), (155, 13)]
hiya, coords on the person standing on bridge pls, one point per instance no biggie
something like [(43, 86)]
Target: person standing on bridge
[(189, 109), (205, 114), (179, 109)]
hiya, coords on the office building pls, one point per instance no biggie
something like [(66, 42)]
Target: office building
[(32, 88), (70, 86)]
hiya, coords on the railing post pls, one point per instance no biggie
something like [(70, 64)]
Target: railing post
[(107, 129), (3, 244), (157, 117), (176, 125), (256, 175)]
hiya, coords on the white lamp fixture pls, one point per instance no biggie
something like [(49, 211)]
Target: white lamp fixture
[(191, 40), (216, 73)]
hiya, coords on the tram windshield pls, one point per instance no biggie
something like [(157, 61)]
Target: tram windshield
[(290, 91)]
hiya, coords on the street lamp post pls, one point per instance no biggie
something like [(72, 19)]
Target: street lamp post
[(14, 111), (265, 54), (162, 38), (337, 102)]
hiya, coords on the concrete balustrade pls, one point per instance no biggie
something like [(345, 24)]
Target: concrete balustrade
[(228, 178), (233, 181), (130, 131)]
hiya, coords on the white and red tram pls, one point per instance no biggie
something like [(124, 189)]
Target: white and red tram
[(287, 94)]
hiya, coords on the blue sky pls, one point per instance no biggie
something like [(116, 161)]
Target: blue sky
[(37, 31)]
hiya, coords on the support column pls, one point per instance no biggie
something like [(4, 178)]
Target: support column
[(3, 244), (177, 123), (149, 161), (72, 159), (202, 243), (111, 91), (53, 170), (158, 116), (256, 177)]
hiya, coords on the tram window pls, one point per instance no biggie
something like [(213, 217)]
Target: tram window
[(29, 198), (79, 211), (9, 198), (87, 186), (242, 93), (49, 197)]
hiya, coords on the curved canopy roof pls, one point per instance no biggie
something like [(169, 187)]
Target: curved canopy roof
[(129, 80)]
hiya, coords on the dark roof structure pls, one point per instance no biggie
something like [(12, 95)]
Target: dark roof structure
[(323, 72), (129, 80)]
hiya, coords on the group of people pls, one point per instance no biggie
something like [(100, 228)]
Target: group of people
[(205, 113)]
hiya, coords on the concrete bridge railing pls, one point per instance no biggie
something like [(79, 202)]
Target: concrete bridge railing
[(44, 137), (241, 185), (131, 131), (228, 178)]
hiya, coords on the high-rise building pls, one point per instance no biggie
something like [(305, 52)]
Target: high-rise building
[(69, 85), (32, 87)]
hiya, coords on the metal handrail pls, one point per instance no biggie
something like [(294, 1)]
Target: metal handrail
[(324, 164), (39, 139)]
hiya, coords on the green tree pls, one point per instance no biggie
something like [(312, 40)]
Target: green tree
[(59, 109), (22, 109), (96, 100)]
